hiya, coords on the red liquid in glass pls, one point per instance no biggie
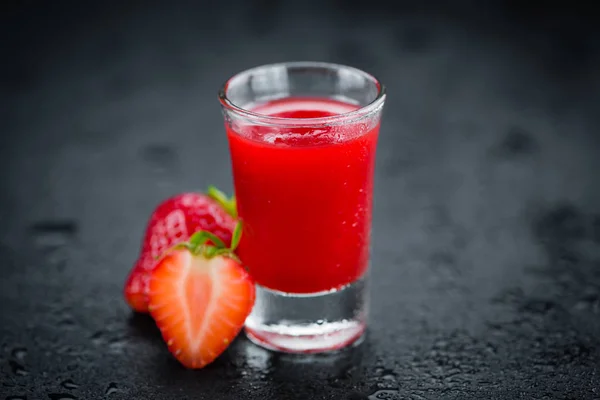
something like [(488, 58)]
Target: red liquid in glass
[(305, 196)]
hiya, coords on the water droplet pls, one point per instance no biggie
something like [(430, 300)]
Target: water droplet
[(19, 353), (335, 382), (257, 359), (116, 345), (112, 388), (17, 368), (66, 322), (386, 394), (385, 373), (69, 384), (536, 306), (491, 348), (320, 322), (517, 142), (67, 227), (66, 350), (61, 396), (52, 238), (97, 338), (589, 301), (54, 233)]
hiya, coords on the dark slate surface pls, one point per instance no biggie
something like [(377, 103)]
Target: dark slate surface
[(486, 254)]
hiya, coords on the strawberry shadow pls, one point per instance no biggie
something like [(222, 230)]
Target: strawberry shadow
[(142, 326)]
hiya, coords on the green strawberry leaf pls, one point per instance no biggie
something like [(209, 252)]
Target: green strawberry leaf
[(201, 237), (197, 239), (229, 204), (237, 236), (210, 251)]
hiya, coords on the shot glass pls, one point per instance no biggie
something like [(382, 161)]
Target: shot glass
[(302, 139)]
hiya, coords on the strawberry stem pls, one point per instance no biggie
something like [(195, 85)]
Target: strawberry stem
[(199, 244), (229, 204), (201, 237)]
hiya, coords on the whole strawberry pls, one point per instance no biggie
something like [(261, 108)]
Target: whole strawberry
[(174, 221)]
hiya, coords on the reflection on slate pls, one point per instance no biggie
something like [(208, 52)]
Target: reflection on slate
[(486, 236)]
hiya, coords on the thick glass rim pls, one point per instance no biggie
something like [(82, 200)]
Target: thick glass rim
[(343, 118)]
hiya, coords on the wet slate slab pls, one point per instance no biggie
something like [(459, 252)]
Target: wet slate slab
[(486, 253)]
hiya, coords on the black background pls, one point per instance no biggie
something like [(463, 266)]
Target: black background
[(486, 253)]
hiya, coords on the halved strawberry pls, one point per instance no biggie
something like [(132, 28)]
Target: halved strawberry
[(199, 296), (174, 221)]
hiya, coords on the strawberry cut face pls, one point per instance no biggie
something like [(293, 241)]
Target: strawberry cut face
[(199, 304)]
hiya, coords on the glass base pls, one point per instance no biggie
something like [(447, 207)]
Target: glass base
[(309, 323)]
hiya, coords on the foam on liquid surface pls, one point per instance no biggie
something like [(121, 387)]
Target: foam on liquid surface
[(304, 108), (303, 136)]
